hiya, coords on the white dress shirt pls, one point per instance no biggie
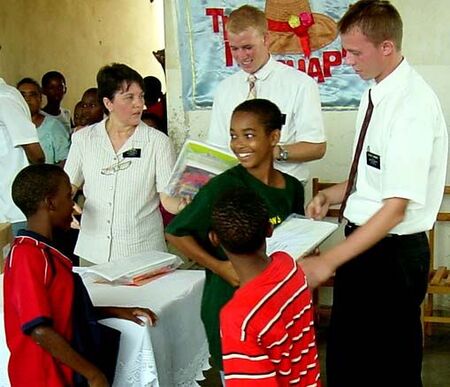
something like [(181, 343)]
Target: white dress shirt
[(120, 217), (295, 93), (407, 134), (16, 129)]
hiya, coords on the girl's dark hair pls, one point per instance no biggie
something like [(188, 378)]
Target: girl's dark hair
[(267, 112), (114, 77)]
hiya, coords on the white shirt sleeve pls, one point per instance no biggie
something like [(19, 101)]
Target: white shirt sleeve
[(309, 120), (219, 128), (165, 161), (17, 119), (409, 153), (74, 163)]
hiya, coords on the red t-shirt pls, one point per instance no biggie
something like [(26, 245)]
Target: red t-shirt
[(38, 289), (267, 329)]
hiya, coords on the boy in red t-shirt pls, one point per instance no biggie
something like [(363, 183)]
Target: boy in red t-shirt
[(39, 288), (267, 328)]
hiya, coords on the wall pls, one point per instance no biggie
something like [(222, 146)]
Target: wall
[(77, 38)]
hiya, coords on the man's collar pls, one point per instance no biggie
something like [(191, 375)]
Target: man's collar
[(391, 83), (263, 72), (266, 69)]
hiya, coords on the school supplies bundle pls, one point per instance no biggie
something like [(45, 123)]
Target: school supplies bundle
[(298, 236), (197, 163), (134, 271)]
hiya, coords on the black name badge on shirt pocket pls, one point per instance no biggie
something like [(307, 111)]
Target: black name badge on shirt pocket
[(373, 160), (134, 152)]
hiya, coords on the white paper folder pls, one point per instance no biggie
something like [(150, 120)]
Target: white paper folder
[(298, 235)]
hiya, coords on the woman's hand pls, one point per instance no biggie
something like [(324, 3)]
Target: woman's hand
[(226, 270), (173, 205), (183, 202)]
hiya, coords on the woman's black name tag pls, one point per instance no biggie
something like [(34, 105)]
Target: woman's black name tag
[(134, 152)]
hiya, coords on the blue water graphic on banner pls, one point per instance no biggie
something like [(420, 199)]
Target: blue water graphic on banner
[(206, 59)]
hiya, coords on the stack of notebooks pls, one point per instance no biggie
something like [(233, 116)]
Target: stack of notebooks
[(197, 163), (134, 271), (299, 236)]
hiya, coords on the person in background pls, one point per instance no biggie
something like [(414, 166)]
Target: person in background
[(89, 109), (54, 87), (254, 132), (41, 291), (92, 109), (124, 166), (19, 146), (79, 121), (267, 328), (155, 101), (391, 198), (152, 120), (52, 135), (261, 76)]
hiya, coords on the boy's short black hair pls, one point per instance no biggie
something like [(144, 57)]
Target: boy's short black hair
[(31, 81), (33, 184), (48, 76), (240, 219), (111, 79), (267, 112)]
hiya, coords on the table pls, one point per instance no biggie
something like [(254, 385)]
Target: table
[(172, 353)]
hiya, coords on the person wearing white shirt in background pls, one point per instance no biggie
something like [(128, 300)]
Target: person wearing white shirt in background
[(295, 93), (375, 334), (19, 146)]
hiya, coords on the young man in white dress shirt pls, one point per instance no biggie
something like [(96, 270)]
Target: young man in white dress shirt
[(19, 145), (294, 92), (375, 336)]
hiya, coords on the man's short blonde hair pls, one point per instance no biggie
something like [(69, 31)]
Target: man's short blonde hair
[(245, 17)]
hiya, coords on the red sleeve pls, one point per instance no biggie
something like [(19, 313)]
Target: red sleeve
[(245, 363), (29, 272)]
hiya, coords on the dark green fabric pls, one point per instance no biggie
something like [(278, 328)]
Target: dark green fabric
[(194, 221)]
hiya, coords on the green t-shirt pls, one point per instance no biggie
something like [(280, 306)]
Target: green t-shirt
[(195, 220)]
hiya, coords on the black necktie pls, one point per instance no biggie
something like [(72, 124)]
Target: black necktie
[(354, 168)]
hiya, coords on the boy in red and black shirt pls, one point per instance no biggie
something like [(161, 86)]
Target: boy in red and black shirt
[(39, 288), (267, 327)]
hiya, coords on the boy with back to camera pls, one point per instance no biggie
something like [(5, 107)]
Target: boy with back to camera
[(40, 288), (267, 328)]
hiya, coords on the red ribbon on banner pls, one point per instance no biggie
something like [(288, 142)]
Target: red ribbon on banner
[(297, 24)]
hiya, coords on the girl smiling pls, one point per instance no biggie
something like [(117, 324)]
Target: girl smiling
[(255, 132)]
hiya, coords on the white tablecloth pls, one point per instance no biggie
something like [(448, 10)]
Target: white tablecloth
[(172, 353)]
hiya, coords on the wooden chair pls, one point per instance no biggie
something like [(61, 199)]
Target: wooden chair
[(332, 213), (439, 280)]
